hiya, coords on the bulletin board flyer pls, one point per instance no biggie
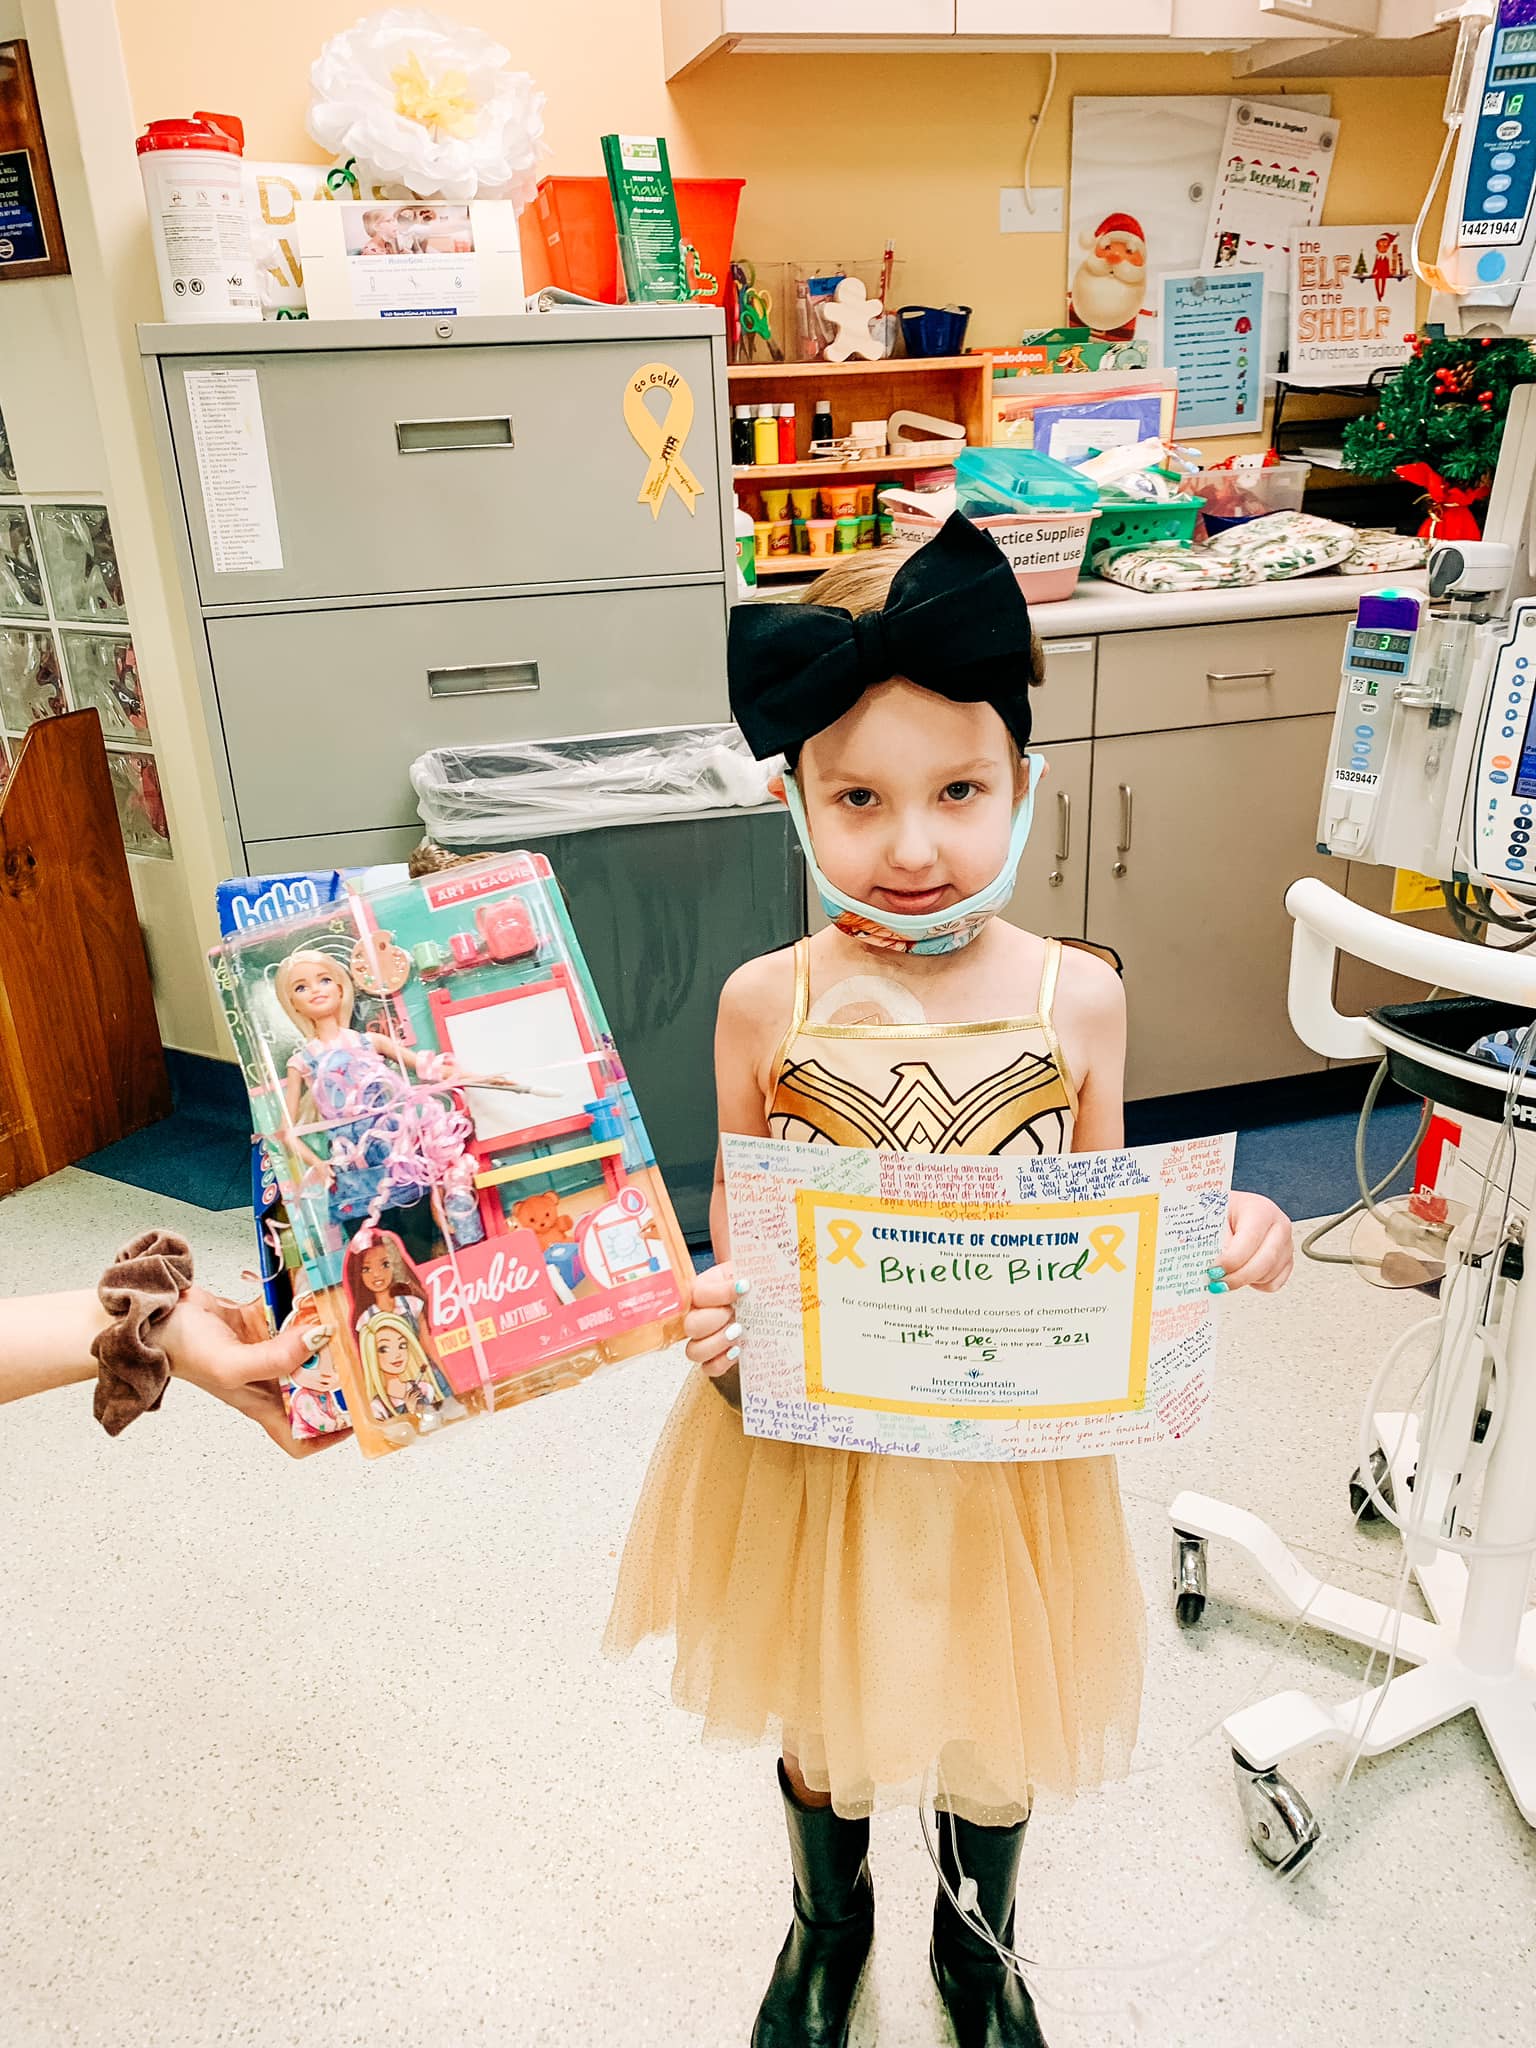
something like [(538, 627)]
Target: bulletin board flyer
[(997, 1309)]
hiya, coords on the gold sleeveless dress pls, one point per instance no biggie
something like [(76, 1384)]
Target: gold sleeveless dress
[(878, 1615)]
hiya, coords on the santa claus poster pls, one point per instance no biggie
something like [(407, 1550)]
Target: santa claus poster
[(1353, 300), (1144, 170)]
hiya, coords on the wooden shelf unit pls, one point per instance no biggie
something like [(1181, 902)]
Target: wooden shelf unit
[(874, 465), (798, 565), (947, 387)]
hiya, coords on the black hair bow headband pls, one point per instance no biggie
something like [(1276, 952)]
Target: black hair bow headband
[(956, 622)]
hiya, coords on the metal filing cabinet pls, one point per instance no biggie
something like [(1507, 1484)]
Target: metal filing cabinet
[(454, 550)]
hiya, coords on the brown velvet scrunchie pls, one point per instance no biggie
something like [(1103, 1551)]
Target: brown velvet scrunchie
[(138, 1290)]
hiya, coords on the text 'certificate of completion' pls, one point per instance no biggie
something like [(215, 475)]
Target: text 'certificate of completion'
[(992, 1308)]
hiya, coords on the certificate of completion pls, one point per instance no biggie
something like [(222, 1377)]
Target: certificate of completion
[(951, 1307)]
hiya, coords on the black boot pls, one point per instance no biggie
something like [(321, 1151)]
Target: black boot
[(988, 2004), (816, 1978)]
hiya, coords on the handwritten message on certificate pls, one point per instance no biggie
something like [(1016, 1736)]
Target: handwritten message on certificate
[(996, 1309)]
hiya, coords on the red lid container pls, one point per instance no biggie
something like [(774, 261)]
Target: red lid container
[(203, 131)]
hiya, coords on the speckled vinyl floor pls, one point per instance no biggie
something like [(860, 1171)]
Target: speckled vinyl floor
[(318, 1756)]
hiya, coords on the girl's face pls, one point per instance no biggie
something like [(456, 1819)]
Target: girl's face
[(394, 1354), (910, 797), (316, 993), (377, 1269)]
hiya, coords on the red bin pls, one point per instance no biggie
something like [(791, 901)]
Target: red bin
[(570, 238)]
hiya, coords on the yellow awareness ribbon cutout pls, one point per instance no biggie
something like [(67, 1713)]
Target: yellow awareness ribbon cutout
[(845, 1236), (1106, 1242), (662, 440)]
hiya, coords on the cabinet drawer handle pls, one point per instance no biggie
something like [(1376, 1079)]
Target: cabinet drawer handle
[(1241, 675), (443, 437), (1123, 843), (1063, 836), (482, 679)]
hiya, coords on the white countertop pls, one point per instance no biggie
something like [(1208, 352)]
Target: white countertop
[(1097, 607)]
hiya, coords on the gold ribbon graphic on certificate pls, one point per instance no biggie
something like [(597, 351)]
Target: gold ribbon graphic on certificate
[(845, 1238), (1105, 1242), (662, 439)]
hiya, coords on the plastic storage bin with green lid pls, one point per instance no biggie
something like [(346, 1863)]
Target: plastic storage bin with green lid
[(994, 480), (1038, 511)]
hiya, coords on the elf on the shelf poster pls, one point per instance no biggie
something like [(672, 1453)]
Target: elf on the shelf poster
[(1352, 303)]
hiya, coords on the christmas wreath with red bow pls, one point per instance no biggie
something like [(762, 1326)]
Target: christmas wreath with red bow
[(1439, 425)]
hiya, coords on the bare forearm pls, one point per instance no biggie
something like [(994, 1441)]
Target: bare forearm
[(45, 1341)]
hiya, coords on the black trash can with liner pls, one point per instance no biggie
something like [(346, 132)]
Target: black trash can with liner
[(676, 867)]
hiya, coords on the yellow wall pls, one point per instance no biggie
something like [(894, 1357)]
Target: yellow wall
[(838, 152)]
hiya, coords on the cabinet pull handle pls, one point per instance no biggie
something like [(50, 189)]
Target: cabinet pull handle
[(1063, 836), (443, 437), (1123, 843), (482, 679), (1241, 675)]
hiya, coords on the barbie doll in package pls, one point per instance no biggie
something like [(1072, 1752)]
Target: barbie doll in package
[(455, 1181)]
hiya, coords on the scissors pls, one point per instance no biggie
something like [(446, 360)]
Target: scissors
[(754, 314)]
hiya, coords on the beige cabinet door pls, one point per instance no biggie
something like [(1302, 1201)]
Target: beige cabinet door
[(1207, 829), (1051, 895)]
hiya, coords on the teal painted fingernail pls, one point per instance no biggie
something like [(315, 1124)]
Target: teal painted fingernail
[(1215, 1272), (742, 1286), (1220, 1287), (734, 1353)]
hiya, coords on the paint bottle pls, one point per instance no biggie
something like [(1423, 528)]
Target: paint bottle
[(765, 435), (787, 431), (746, 552), (741, 435), (821, 425)]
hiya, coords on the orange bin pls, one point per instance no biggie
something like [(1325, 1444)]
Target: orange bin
[(570, 237)]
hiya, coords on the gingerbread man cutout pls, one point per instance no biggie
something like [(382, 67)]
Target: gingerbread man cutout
[(852, 316)]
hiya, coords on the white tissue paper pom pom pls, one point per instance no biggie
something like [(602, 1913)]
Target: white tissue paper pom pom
[(431, 106)]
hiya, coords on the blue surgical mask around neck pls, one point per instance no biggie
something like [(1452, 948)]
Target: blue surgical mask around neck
[(942, 931)]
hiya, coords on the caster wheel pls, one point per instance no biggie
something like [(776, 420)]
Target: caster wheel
[(1361, 1505), (1281, 1825), (1188, 1577)]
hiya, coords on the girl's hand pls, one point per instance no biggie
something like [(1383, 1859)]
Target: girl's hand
[(223, 1347), (1256, 1250), (714, 1335)]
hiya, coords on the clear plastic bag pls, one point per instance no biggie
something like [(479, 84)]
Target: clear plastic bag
[(501, 793)]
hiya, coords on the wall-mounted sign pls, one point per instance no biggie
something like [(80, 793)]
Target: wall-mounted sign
[(31, 233)]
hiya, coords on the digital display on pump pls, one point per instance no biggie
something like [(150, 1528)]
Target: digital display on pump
[(1515, 41), (1525, 774)]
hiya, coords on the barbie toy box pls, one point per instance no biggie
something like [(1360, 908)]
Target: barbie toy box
[(469, 1202)]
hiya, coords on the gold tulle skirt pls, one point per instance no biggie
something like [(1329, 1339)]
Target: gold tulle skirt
[(882, 1615)]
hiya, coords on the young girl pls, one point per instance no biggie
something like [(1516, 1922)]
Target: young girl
[(883, 1614)]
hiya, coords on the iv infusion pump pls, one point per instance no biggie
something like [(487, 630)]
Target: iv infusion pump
[(1433, 758)]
